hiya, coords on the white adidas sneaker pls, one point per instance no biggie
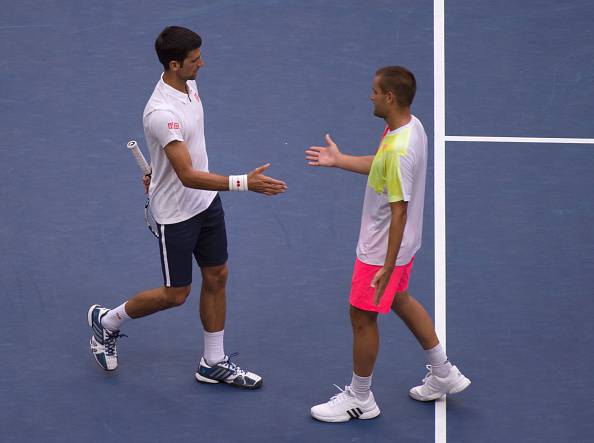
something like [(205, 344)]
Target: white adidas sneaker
[(435, 387), (103, 341), (344, 406), (228, 372)]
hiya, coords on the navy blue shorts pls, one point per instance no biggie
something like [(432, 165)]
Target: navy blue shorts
[(202, 236)]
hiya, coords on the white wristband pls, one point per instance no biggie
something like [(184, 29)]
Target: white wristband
[(238, 182)]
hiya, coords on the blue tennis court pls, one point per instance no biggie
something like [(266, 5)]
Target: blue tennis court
[(278, 76)]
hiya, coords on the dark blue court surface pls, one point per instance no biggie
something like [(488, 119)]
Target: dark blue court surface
[(519, 68), (279, 75), (519, 290)]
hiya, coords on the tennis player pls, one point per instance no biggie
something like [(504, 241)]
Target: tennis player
[(187, 208), (389, 238)]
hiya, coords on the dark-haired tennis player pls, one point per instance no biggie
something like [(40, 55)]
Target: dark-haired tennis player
[(190, 218), (390, 236)]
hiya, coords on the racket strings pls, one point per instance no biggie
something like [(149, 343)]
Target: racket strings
[(149, 219)]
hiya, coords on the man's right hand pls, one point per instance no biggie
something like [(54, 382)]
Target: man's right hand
[(323, 155), (146, 181), (258, 182)]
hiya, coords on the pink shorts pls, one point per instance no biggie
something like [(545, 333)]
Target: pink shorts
[(362, 293)]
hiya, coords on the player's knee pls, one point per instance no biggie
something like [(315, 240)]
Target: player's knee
[(215, 277), (362, 320), (176, 296)]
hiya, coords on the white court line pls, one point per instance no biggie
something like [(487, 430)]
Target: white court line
[(457, 138), (439, 197)]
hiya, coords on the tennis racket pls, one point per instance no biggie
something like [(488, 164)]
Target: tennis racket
[(146, 170)]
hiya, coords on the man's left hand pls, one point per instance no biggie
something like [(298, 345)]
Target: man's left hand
[(379, 282)]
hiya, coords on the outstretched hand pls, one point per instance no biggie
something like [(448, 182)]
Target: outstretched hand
[(323, 155), (258, 182)]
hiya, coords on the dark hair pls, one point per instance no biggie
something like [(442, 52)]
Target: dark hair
[(174, 43), (398, 80)]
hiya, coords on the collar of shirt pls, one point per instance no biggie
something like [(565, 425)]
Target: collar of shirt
[(401, 128), (174, 93)]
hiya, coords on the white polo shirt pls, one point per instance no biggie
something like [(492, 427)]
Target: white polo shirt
[(397, 174), (173, 115)]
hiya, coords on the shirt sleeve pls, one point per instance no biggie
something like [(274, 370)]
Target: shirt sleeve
[(165, 127), (400, 173)]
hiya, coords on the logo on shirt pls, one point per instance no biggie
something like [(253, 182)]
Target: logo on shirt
[(173, 125), (196, 96)]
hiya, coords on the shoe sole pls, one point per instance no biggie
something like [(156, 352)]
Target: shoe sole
[(346, 417), (202, 379), (458, 387)]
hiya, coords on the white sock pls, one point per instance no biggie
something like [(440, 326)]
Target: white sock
[(361, 386), (438, 360), (214, 349), (115, 318)]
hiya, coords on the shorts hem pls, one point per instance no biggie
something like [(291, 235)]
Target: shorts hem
[(177, 284), (376, 309), (213, 263)]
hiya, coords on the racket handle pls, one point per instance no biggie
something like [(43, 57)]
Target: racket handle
[(140, 161)]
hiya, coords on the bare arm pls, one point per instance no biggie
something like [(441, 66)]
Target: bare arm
[(179, 156), (397, 223), (330, 156), (395, 234), (358, 164)]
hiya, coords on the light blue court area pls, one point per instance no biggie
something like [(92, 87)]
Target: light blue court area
[(278, 76)]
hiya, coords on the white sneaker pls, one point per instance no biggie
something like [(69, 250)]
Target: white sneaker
[(103, 341), (344, 406), (435, 387), (228, 372)]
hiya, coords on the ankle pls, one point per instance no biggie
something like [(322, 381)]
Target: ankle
[(115, 318), (360, 386), (437, 358), (442, 370)]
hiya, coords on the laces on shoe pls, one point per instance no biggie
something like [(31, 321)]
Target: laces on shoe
[(343, 395), (233, 366), (110, 341), (429, 374)]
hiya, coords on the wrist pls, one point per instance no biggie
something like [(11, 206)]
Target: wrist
[(238, 182), (389, 267), (339, 160)]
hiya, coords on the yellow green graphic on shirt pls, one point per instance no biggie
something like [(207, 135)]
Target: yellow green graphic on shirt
[(385, 174)]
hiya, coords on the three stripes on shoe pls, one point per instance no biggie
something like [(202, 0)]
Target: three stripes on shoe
[(220, 373), (355, 412)]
